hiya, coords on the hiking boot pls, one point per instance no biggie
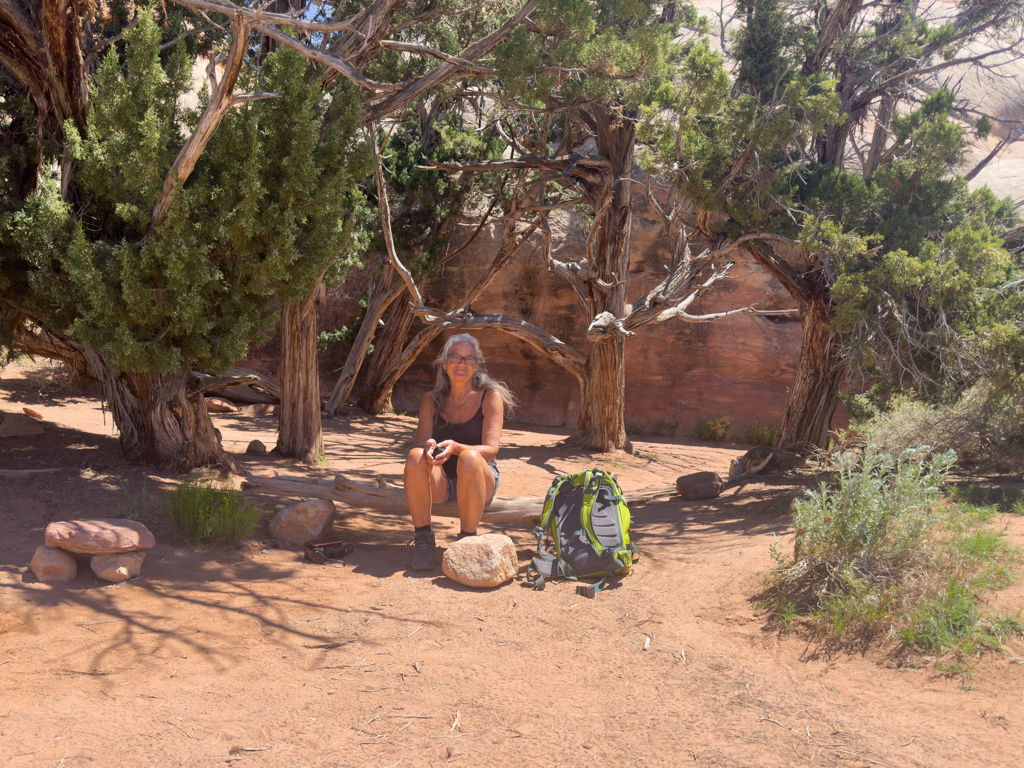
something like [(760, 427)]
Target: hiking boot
[(463, 535), (423, 558)]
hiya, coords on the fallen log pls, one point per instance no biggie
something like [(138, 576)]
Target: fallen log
[(382, 496), (26, 472), (241, 385)]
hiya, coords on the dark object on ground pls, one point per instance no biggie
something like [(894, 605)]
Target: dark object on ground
[(328, 550), (700, 485), (256, 448)]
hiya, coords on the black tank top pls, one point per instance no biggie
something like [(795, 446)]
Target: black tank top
[(467, 433)]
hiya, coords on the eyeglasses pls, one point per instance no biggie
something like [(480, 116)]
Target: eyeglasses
[(457, 360)]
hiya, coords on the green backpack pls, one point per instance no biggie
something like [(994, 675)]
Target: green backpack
[(588, 521)]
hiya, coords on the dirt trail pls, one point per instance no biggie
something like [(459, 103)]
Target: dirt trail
[(370, 664)]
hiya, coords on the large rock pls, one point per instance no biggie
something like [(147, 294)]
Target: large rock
[(700, 485), (301, 522), (19, 425), (100, 536), (53, 565), (118, 567), (481, 561)]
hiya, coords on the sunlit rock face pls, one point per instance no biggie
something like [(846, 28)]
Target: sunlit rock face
[(676, 373)]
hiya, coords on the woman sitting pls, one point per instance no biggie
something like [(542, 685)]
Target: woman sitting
[(457, 438)]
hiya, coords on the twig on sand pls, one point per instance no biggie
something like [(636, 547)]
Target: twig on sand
[(183, 730), (347, 669), (456, 723), (328, 645), (378, 717), (94, 623), (94, 673), (240, 750), (866, 759), (954, 738), (420, 716)]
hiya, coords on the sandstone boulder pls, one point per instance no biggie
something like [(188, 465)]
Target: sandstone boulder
[(481, 561), (301, 522), (220, 405), (53, 565), (19, 425), (256, 448), (118, 567), (100, 536), (700, 485)]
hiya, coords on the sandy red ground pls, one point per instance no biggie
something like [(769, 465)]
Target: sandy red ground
[(369, 664)]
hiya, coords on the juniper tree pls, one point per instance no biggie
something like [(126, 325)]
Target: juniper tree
[(141, 240), (882, 168)]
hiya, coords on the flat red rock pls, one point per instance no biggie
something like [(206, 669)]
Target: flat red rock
[(99, 536)]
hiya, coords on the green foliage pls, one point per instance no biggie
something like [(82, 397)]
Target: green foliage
[(201, 513), (976, 425), (880, 554), (714, 430), (761, 434), (273, 203)]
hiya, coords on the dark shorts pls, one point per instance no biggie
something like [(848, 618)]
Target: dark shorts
[(453, 483)]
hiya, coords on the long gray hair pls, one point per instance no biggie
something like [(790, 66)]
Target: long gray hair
[(443, 385)]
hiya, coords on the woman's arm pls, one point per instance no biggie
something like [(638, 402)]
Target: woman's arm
[(425, 426)]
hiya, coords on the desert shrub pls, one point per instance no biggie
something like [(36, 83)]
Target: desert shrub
[(881, 552), (202, 513), (974, 426), (714, 430), (762, 434)]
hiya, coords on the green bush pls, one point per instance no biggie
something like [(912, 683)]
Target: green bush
[(974, 426), (762, 434), (714, 430), (204, 514), (880, 552)]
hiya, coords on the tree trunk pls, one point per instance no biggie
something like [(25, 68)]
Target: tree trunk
[(814, 395), (299, 432), (387, 356), (602, 425), (383, 291), (161, 418)]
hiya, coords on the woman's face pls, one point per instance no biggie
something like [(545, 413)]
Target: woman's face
[(459, 370)]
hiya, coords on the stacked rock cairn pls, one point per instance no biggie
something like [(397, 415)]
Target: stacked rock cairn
[(115, 546)]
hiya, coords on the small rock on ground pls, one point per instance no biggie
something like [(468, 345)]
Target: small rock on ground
[(700, 485), (481, 561), (256, 448), (19, 425), (52, 565), (118, 567), (301, 522)]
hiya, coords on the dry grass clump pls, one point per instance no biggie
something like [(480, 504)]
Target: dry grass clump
[(714, 430), (975, 426), (761, 434), (881, 553)]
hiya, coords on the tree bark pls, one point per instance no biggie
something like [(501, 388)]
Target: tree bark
[(602, 425), (161, 418), (814, 396), (375, 396), (300, 434), (383, 292)]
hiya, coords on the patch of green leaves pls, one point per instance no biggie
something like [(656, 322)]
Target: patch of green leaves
[(202, 513)]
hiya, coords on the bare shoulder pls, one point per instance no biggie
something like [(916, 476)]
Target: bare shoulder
[(493, 401), (427, 404)]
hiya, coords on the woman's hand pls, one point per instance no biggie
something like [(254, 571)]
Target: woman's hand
[(438, 457)]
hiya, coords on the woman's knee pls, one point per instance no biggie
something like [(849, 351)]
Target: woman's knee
[(416, 459), (471, 461)]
